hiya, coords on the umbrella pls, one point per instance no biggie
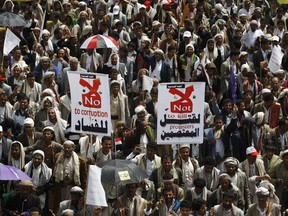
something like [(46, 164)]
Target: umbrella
[(11, 20), (99, 41), (12, 173), (121, 172)]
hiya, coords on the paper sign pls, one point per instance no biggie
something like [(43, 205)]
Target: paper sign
[(124, 175), (90, 103), (275, 59), (10, 42), (95, 191), (180, 113)]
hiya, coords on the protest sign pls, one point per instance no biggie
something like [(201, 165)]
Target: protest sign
[(90, 103), (275, 59), (95, 191), (10, 42), (180, 117)]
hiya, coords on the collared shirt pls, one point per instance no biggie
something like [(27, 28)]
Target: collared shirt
[(149, 166), (156, 72), (283, 141), (266, 111), (88, 62), (2, 113), (68, 170), (131, 204), (188, 171), (262, 213), (36, 175)]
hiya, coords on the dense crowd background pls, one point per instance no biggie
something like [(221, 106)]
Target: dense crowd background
[(240, 168)]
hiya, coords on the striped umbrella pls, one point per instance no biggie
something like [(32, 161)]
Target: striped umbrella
[(99, 41)]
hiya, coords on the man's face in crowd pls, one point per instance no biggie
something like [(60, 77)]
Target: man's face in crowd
[(167, 164), (51, 114), (3, 100), (15, 151), (24, 104), (107, 145), (47, 135), (231, 169), (37, 160), (68, 150), (227, 202), (168, 196), (185, 152)]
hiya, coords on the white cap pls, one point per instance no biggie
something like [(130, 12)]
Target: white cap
[(265, 90), (77, 189), (29, 121), (187, 34), (219, 6), (68, 142), (48, 74), (48, 128), (251, 151), (259, 117), (262, 191), (116, 9), (184, 146), (139, 109), (1, 128), (243, 53), (142, 6), (39, 152), (275, 38), (145, 39), (282, 153), (156, 23)]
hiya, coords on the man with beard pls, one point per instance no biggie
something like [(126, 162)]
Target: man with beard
[(263, 206), (130, 203), (227, 207), (167, 205), (23, 200), (76, 203), (69, 171)]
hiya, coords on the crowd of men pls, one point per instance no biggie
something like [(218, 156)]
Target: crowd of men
[(240, 168)]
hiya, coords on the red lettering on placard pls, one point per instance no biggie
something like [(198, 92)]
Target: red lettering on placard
[(92, 98), (184, 104)]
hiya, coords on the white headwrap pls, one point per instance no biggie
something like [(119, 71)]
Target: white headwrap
[(259, 117), (109, 63)]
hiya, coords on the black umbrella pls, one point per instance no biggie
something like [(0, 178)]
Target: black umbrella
[(121, 172), (11, 20)]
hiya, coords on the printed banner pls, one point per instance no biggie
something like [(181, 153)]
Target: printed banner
[(90, 103), (180, 117), (95, 191)]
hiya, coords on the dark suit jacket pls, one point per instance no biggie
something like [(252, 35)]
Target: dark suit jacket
[(10, 81), (16, 203), (257, 58), (166, 71), (23, 138)]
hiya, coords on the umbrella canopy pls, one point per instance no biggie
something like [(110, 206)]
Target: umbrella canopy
[(99, 41), (11, 20), (12, 173), (121, 172)]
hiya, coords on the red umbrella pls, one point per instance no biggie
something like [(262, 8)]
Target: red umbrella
[(99, 41)]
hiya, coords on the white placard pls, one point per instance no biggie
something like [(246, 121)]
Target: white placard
[(275, 59), (10, 42), (90, 103), (180, 113), (95, 191)]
